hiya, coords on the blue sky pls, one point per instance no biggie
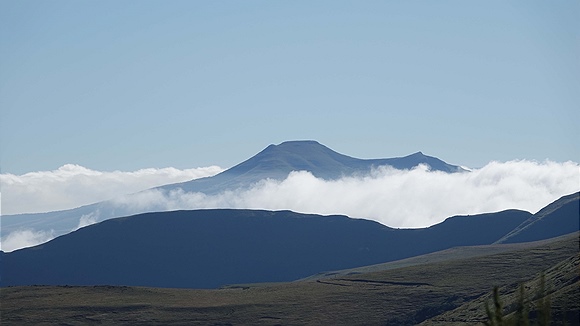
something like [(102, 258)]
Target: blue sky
[(125, 85)]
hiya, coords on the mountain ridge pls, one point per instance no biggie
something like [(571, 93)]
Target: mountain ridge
[(212, 247), (559, 217)]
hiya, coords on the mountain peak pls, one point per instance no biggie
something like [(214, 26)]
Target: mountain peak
[(309, 155), (299, 142), (277, 161), (298, 145)]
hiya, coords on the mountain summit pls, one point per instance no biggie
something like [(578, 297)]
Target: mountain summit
[(323, 162), (277, 161)]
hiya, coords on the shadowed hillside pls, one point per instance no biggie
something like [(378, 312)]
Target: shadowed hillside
[(210, 248), (560, 217), (399, 296)]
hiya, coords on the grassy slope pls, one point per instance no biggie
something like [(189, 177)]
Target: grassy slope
[(455, 253), (400, 296), (562, 289)]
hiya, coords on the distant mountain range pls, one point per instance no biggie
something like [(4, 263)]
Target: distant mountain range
[(274, 162), (211, 248)]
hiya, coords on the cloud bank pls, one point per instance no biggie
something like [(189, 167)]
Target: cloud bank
[(396, 198), (72, 186), (24, 238)]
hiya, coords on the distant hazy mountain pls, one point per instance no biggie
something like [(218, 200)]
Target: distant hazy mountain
[(210, 248), (274, 162), (277, 161)]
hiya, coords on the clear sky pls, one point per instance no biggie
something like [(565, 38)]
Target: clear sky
[(125, 85)]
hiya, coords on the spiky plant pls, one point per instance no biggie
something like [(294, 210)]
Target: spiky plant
[(495, 318)]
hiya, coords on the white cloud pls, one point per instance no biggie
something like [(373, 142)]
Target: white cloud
[(397, 198), (24, 238), (88, 219), (72, 186)]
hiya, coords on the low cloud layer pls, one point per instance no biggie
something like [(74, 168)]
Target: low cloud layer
[(73, 185), (29, 237), (24, 238), (396, 198), (409, 199)]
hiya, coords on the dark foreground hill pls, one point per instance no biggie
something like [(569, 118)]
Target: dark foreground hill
[(445, 292), (210, 248), (274, 162), (560, 217)]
